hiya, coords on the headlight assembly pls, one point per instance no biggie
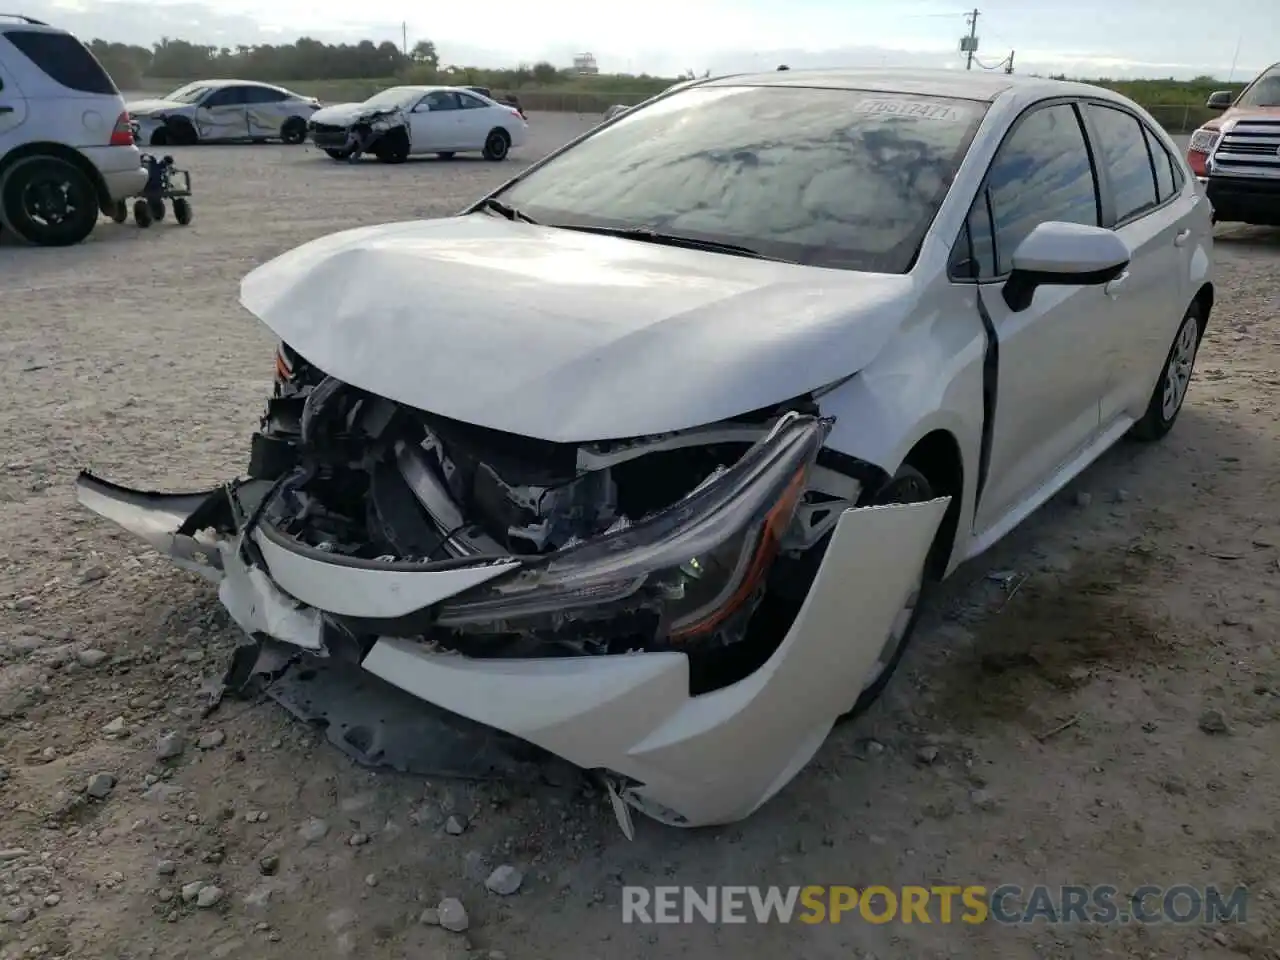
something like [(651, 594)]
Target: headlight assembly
[(698, 562)]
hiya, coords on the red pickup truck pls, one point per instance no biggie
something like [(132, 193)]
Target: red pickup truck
[(1237, 155)]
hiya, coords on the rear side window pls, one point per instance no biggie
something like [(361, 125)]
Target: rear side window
[(1124, 154), (264, 95), (65, 59)]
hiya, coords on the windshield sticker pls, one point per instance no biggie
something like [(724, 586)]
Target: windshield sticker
[(920, 109)]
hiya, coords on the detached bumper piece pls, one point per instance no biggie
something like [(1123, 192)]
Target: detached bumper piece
[(683, 578)]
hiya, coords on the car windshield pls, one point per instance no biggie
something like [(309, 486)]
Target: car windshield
[(395, 97), (189, 93), (1263, 92), (836, 178)]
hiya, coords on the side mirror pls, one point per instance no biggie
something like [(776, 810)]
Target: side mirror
[(421, 108), (1064, 254), (1220, 100)]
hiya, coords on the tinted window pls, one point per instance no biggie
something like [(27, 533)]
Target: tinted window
[(263, 95), (1164, 167), (65, 59), (227, 97), (1123, 152), (837, 178), (1041, 173), (468, 102), (441, 100)]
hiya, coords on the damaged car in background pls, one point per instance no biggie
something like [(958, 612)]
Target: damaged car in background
[(411, 121), (646, 460)]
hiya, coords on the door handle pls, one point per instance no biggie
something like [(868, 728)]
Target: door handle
[(4, 110), (1116, 286), (1182, 237)]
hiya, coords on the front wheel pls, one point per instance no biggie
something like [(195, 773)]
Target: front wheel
[(48, 202), (1171, 388), (908, 485), (294, 131), (497, 145), (338, 154), (182, 210)]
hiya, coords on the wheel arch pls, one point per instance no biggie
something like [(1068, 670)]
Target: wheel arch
[(62, 152), (1204, 300), (937, 455)]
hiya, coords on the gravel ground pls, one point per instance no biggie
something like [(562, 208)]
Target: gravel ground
[(1149, 599)]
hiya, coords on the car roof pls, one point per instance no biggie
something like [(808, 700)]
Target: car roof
[(234, 83), (958, 84)]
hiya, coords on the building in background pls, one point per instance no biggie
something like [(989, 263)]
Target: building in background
[(584, 64)]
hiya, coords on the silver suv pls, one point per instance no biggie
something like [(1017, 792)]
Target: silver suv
[(66, 146)]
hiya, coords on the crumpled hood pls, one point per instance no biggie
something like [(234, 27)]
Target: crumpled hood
[(340, 114), (142, 108), (566, 336)]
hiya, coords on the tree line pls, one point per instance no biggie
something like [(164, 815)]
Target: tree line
[(308, 59)]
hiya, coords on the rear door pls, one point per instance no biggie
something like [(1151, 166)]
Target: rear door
[(266, 111), (223, 114), (1142, 207)]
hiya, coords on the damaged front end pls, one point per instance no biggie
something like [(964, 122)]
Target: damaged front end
[(384, 132), (653, 609)]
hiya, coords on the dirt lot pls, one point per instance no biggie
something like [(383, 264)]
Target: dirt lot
[(1150, 597)]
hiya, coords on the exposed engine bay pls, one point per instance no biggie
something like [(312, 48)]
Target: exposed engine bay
[(360, 477)]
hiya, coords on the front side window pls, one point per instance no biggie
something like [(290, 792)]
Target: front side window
[(1263, 92), (1041, 173), (837, 178), (1123, 149), (441, 100)]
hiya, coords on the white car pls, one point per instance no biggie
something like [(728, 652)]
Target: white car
[(648, 458), (402, 122), (210, 111), (66, 148)]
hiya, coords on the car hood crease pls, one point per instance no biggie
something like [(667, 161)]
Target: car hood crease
[(565, 336)]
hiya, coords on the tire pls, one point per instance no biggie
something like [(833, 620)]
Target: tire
[(447, 155), (141, 213), (160, 137), (48, 202), (182, 210), (182, 133), (392, 148), (119, 211), (1175, 376), (338, 154), (497, 145), (156, 206), (908, 485), (294, 131)]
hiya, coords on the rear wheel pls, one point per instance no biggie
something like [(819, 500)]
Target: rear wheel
[(48, 202), (908, 485), (1171, 389), (141, 213), (497, 145)]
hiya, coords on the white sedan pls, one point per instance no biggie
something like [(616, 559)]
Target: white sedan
[(648, 458), (402, 122), (209, 111)]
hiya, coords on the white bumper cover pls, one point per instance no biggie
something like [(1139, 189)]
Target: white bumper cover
[(692, 760)]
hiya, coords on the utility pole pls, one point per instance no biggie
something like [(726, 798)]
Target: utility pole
[(404, 38), (972, 46), (1008, 67)]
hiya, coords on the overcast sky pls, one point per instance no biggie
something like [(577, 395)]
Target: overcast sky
[(1091, 38)]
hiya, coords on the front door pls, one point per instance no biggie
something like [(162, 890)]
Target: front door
[(1050, 371), (434, 123), (222, 115), (265, 111)]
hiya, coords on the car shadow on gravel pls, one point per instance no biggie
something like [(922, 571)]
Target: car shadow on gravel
[(1076, 590)]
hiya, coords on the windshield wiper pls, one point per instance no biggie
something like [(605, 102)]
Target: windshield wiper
[(649, 235), (508, 211)]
